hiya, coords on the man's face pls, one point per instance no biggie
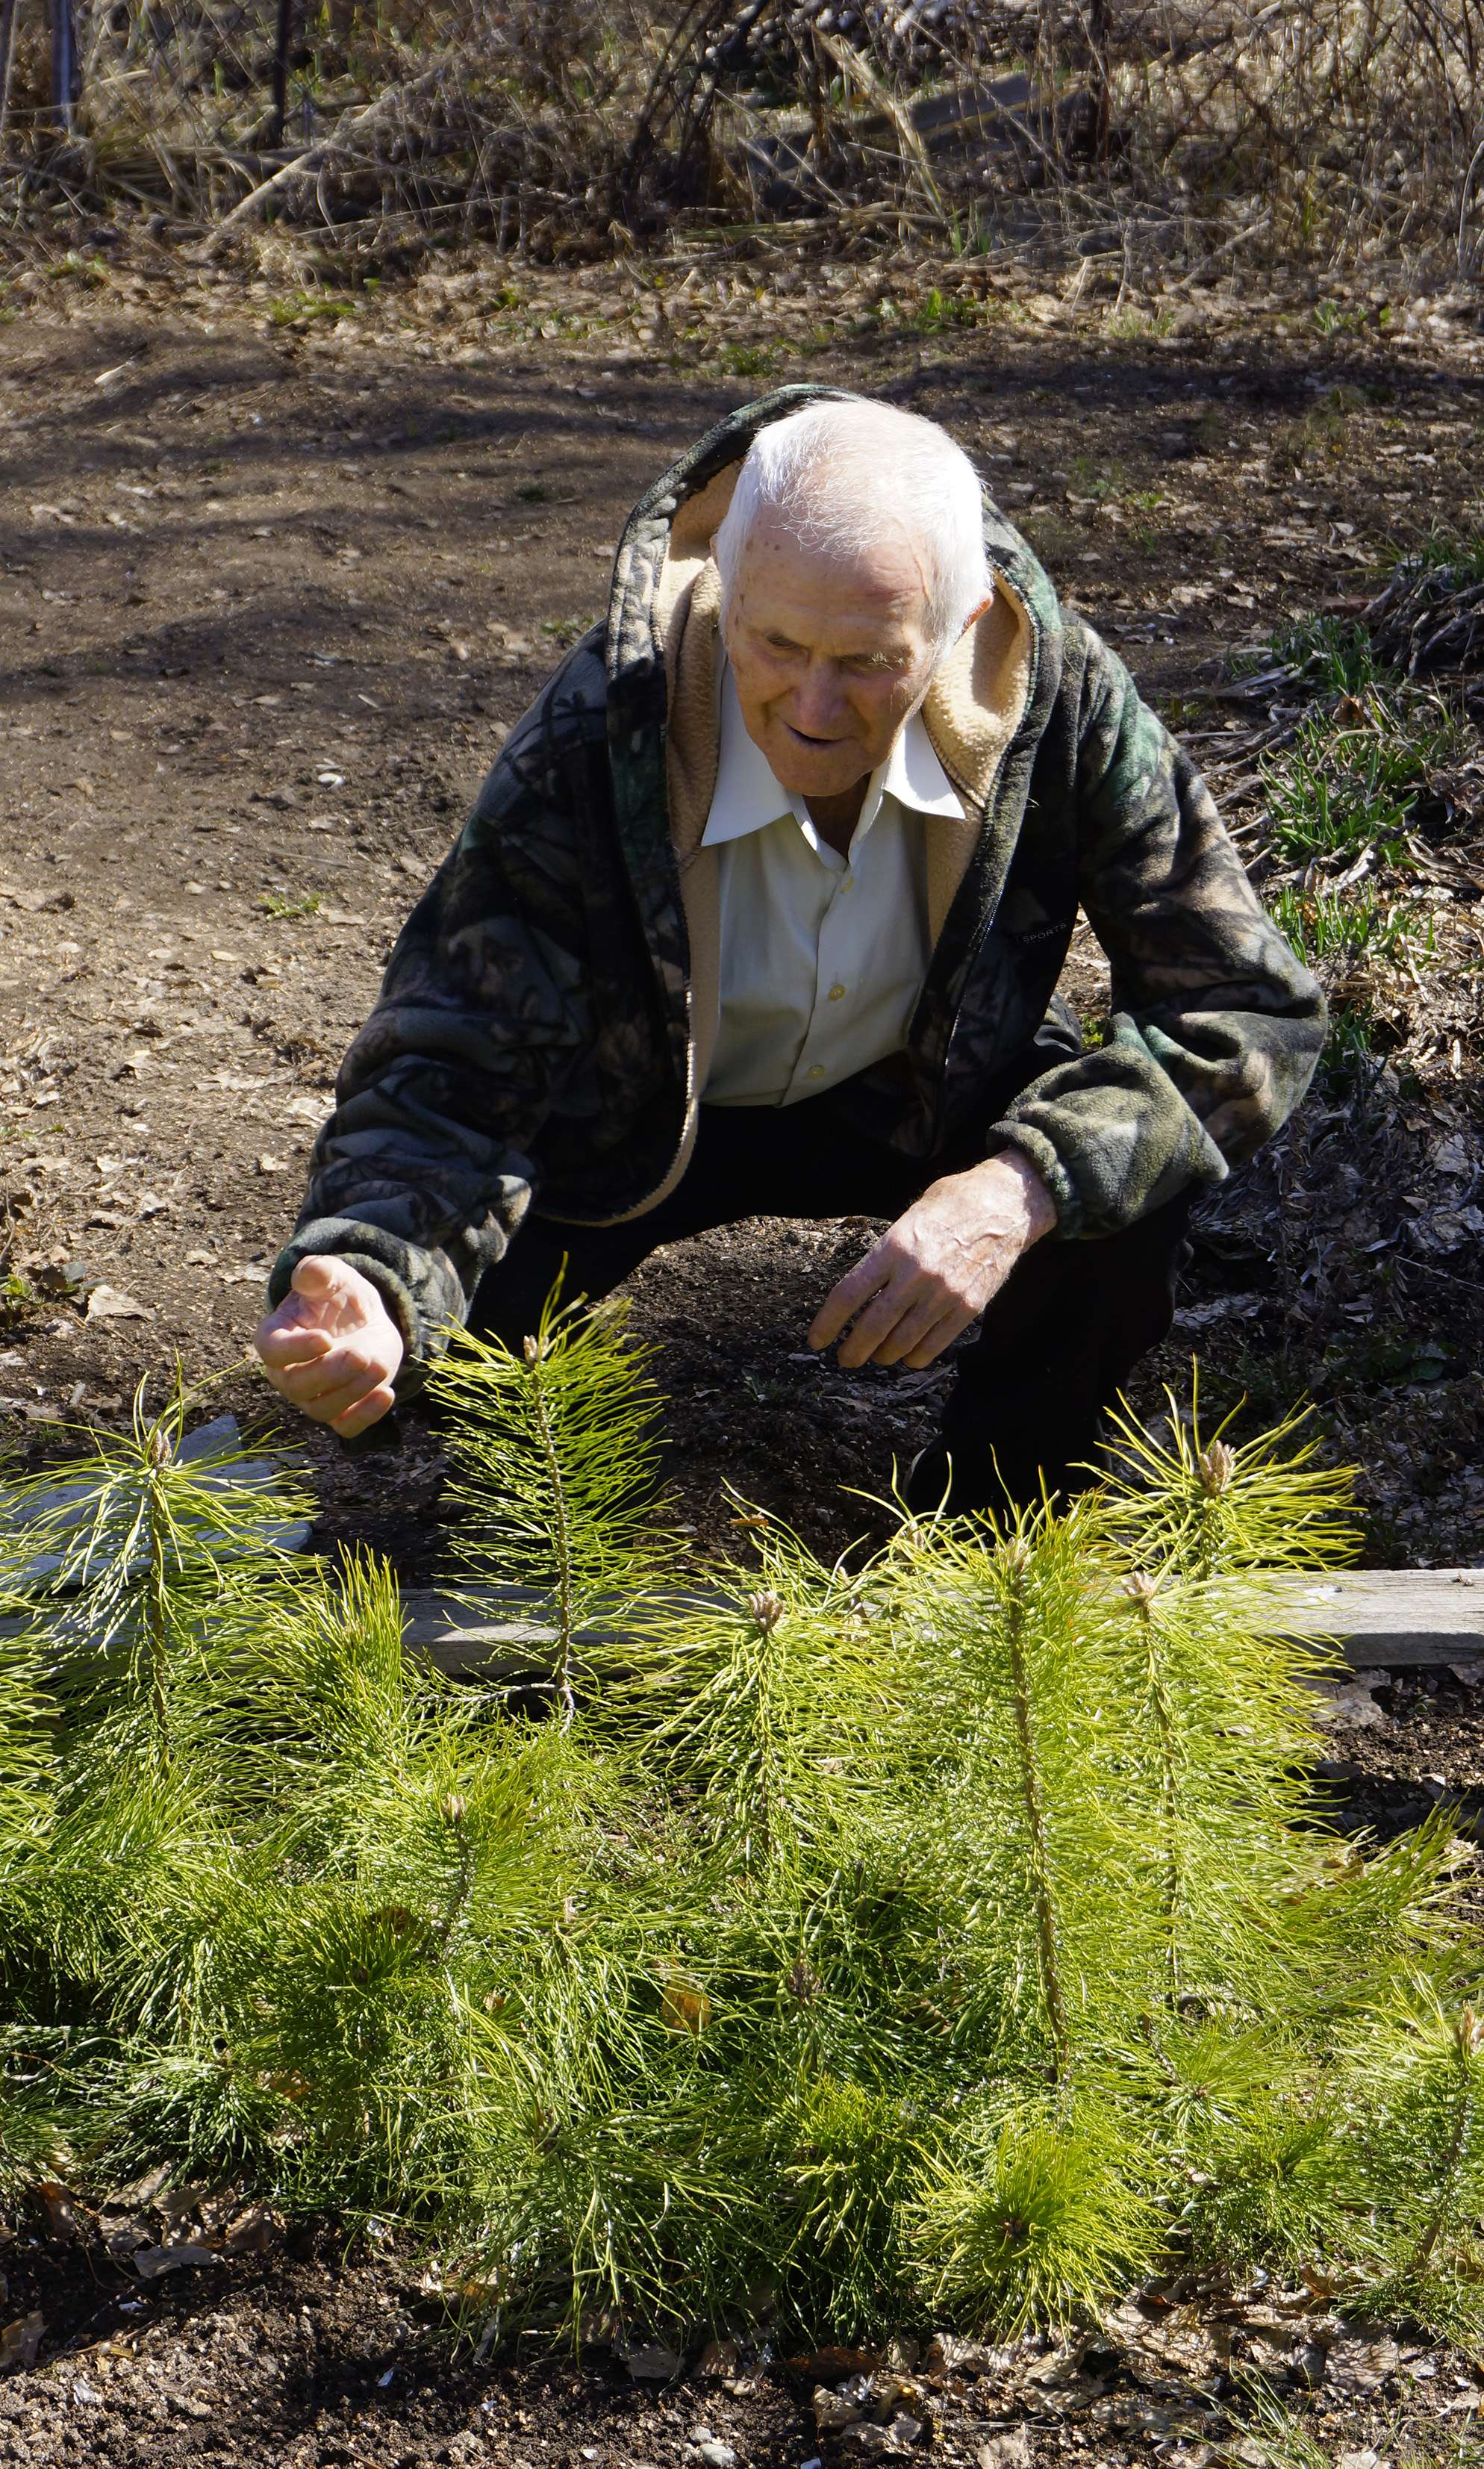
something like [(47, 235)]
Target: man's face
[(831, 656)]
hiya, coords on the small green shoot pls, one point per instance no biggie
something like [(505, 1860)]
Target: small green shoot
[(17, 1297), (750, 360), (277, 904), (307, 308), (564, 632), (1351, 778)]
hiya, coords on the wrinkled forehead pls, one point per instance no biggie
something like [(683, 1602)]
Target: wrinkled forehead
[(878, 583)]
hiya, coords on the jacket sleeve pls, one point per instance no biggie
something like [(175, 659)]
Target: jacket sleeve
[(1215, 1025), (425, 1168)]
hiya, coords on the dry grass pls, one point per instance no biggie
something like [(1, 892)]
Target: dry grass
[(1139, 134)]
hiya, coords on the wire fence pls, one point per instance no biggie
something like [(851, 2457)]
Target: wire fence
[(1328, 130)]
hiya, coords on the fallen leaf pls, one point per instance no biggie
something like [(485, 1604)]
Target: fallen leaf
[(61, 2220), (110, 1302), (653, 2364), (252, 2234), (19, 2342), (253, 1273), (37, 901), (683, 2008), (155, 2261), (834, 2413)]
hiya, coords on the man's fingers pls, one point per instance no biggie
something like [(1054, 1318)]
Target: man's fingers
[(321, 1378), (846, 1299), (878, 1322), (942, 1333), (294, 1344), (912, 1324), (366, 1411), (328, 1405)]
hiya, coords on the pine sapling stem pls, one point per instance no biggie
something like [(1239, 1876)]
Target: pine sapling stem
[(157, 1602), (453, 1810), (1214, 1470), (1142, 1590), (1035, 1821), (766, 1609), (561, 1537)]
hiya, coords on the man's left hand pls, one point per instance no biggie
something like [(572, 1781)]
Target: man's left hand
[(935, 1270)]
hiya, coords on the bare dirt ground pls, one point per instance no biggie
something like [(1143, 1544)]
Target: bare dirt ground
[(272, 585)]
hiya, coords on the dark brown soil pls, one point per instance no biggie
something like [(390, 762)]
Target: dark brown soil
[(310, 2356), (272, 588)]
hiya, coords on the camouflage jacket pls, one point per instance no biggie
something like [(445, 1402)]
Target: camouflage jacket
[(541, 1033)]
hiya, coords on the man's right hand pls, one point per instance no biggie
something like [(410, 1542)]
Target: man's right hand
[(331, 1348)]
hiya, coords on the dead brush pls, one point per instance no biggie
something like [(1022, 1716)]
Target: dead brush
[(1158, 137)]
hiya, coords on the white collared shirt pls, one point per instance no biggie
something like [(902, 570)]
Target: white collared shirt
[(823, 957)]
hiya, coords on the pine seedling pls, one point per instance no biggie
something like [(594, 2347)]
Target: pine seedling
[(554, 1453), (426, 1956), (1008, 1640), (1420, 2166), (839, 2161), (23, 1744), (125, 1572), (775, 1707), (1215, 1723), (1036, 2224), (1269, 2167), (126, 1576), (626, 2214), (956, 1925), (1208, 1509)]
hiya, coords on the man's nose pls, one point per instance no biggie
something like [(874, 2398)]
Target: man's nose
[(819, 707)]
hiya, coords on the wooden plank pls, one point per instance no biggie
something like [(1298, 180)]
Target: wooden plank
[(1381, 1619), (1388, 1618)]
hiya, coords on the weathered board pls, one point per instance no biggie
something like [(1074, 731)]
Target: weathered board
[(1388, 1618), (1381, 1619)]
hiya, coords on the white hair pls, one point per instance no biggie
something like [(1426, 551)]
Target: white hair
[(838, 474)]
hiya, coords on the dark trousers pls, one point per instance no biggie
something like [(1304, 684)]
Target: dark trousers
[(1054, 1348)]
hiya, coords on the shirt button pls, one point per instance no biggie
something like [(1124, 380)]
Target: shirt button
[(815, 1071), (835, 993)]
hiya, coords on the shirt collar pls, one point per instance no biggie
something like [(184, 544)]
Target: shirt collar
[(747, 797)]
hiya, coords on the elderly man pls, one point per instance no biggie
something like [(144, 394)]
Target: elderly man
[(762, 910)]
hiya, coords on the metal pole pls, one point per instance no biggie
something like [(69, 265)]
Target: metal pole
[(65, 78), (7, 45), (1100, 30), (280, 50)]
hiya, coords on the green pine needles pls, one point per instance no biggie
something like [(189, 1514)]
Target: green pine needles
[(952, 1933)]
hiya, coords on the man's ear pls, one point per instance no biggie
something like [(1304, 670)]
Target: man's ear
[(974, 618)]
